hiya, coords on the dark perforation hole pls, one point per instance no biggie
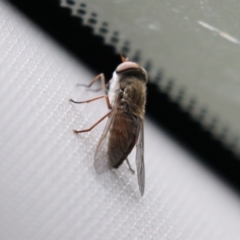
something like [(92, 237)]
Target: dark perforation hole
[(115, 33), (137, 57), (148, 66), (159, 76), (179, 98), (105, 24), (181, 94), (125, 50), (213, 123), (224, 132), (114, 40), (169, 86), (103, 30), (191, 105), (202, 114), (94, 15), (70, 2), (81, 11), (92, 21), (83, 5)]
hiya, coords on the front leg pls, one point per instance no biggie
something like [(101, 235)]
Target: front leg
[(93, 99), (102, 78)]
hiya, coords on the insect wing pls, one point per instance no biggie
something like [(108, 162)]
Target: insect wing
[(101, 162), (140, 159), (117, 141), (124, 132)]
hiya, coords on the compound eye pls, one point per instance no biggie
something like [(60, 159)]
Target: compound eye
[(126, 66)]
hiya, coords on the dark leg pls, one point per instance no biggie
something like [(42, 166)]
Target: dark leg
[(130, 168), (100, 76), (94, 125), (93, 99)]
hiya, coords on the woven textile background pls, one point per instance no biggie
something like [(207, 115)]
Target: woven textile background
[(48, 186)]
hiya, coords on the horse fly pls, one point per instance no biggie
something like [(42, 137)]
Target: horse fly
[(126, 98)]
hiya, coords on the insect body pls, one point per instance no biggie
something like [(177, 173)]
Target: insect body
[(124, 129)]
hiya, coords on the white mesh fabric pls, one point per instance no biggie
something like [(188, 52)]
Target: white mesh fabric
[(48, 186)]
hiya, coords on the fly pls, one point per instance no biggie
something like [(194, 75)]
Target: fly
[(125, 99)]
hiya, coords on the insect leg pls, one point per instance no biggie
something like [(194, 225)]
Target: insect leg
[(94, 125), (130, 168), (93, 99), (100, 76)]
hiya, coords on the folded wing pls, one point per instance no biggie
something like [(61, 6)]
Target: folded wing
[(117, 141)]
